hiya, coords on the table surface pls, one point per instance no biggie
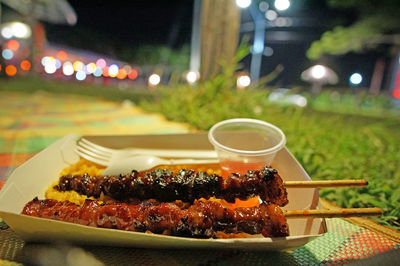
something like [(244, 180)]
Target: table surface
[(31, 122)]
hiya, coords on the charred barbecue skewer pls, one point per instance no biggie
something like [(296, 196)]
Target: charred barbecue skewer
[(186, 185), (203, 219)]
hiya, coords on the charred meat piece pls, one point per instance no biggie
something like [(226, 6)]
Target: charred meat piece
[(203, 219), (186, 185)]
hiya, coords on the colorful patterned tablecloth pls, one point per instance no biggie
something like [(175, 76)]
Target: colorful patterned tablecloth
[(31, 122)]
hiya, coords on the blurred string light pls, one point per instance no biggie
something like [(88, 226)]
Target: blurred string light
[(78, 66), (282, 5), (105, 72), (192, 76), (271, 15), (13, 45), (263, 6), (15, 29), (243, 81), (98, 72), (7, 54), (11, 70), (62, 55), (243, 3), (133, 74), (91, 68), (68, 69), (113, 70), (80, 75), (25, 65), (121, 73), (154, 79), (355, 79), (101, 63), (6, 32)]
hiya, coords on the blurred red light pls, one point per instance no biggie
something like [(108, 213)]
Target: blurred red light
[(133, 74), (105, 72), (25, 65), (396, 93), (62, 55), (13, 45)]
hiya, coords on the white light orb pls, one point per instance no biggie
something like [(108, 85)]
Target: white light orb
[(318, 72), (282, 5), (154, 79), (271, 15), (243, 81), (6, 32), (113, 70), (192, 77), (50, 68), (243, 3), (20, 30), (356, 78), (80, 75), (68, 69)]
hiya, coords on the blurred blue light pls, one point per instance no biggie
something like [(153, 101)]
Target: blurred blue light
[(80, 75), (258, 47), (7, 54), (98, 72)]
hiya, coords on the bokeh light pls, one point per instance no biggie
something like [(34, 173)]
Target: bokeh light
[(98, 72), (20, 30), (57, 63), (271, 15), (243, 3), (318, 71), (78, 66), (133, 74), (68, 69), (243, 81), (13, 45), (91, 68), (101, 63), (355, 78), (6, 32), (62, 55), (282, 5), (50, 68), (105, 72), (154, 79), (80, 75), (192, 76), (7, 54), (121, 73), (25, 65), (11, 70), (113, 70), (396, 93)]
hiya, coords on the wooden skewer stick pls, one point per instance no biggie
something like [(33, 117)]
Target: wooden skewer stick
[(351, 212), (326, 183)]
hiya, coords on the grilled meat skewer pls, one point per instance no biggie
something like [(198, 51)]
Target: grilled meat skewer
[(186, 185), (203, 219)]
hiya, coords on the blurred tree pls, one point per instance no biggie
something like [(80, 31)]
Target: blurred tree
[(377, 23), (220, 21)]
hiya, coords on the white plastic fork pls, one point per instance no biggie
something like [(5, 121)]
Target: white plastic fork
[(107, 156)]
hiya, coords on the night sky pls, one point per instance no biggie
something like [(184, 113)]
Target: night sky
[(114, 25)]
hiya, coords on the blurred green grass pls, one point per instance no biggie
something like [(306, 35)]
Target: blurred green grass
[(339, 144)]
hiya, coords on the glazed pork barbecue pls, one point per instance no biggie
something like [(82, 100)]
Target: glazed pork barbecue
[(202, 219), (186, 185)]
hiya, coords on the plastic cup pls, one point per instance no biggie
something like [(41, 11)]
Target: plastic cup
[(244, 144)]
